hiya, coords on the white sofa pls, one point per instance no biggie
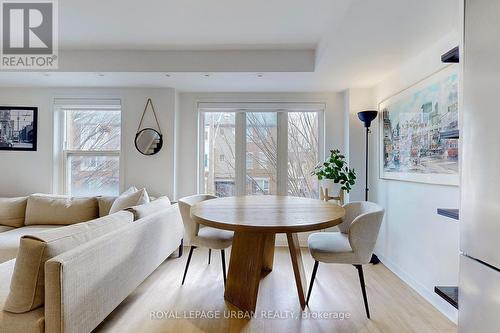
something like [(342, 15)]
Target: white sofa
[(57, 278)]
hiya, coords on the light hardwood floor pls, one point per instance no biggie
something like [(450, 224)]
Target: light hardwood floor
[(394, 306)]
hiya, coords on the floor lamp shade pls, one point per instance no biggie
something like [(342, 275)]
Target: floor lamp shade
[(367, 117)]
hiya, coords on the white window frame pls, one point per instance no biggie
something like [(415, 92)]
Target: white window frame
[(61, 105), (240, 109)]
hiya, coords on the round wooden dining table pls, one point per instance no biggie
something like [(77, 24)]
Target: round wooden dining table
[(255, 221)]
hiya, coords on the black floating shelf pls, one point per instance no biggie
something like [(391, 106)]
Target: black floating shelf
[(453, 134), (449, 294), (452, 56), (451, 213)]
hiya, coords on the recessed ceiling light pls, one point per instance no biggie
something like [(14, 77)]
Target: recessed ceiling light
[(260, 75)]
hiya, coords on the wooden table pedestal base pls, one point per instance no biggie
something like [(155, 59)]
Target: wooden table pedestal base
[(251, 255)]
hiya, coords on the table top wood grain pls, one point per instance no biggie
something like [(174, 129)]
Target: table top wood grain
[(269, 213)]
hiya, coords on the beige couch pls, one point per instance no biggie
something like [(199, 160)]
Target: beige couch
[(67, 278)]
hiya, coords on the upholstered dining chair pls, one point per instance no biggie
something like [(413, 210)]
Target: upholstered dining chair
[(354, 243), (203, 236)]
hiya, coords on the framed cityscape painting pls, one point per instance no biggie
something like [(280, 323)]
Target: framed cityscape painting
[(18, 128), (419, 131)]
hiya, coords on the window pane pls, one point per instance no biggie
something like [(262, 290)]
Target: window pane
[(219, 145), (93, 130), (303, 134), (94, 175), (261, 153)]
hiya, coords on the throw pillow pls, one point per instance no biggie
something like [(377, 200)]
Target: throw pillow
[(129, 200)]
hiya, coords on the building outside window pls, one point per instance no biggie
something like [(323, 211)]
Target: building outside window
[(262, 160), (249, 160)]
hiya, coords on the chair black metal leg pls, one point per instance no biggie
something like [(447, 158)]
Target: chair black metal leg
[(187, 263), (363, 289), (181, 247), (315, 269), (223, 255), (209, 255)]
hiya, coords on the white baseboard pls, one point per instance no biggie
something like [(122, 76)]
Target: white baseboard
[(429, 295)]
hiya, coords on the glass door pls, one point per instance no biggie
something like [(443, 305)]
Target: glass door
[(269, 152)]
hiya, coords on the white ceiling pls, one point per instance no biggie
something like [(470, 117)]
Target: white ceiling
[(357, 42), (194, 24)]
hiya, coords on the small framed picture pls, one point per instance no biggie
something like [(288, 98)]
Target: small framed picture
[(18, 128)]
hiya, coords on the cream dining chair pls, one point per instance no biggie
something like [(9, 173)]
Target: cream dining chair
[(354, 243), (208, 237)]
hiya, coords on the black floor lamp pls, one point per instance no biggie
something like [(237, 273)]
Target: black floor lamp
[(367, 117)]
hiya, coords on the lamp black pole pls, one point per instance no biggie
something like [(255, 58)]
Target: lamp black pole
[(366, 163), (367, 117)]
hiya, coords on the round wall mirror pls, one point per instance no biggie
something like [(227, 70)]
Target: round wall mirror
[(148, 141)]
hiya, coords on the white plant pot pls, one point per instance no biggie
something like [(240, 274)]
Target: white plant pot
[(332, 187)]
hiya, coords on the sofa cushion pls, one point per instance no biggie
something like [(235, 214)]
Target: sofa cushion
[(12, 211), (127, 200), (61, 210), (5, 228), (150, 208), (105, 204), (9, 240), (27, 286), (32, 321)]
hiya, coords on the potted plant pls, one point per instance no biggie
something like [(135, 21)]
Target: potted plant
[(334, 174)]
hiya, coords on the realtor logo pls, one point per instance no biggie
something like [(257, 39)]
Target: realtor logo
[(28, 34)]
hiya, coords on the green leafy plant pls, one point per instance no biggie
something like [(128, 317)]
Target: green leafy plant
[(336, 169)]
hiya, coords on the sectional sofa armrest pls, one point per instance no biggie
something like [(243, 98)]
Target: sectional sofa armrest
[(85, 284)]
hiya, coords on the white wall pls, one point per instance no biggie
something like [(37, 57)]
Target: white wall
[(22, 173), (187, 148), (418, 245)]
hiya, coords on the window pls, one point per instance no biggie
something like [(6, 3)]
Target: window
[(262, 160), (261, 140), (266, 152), (219, 173), (91, 140), (249, 161), (260, 186), (303, 150)]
